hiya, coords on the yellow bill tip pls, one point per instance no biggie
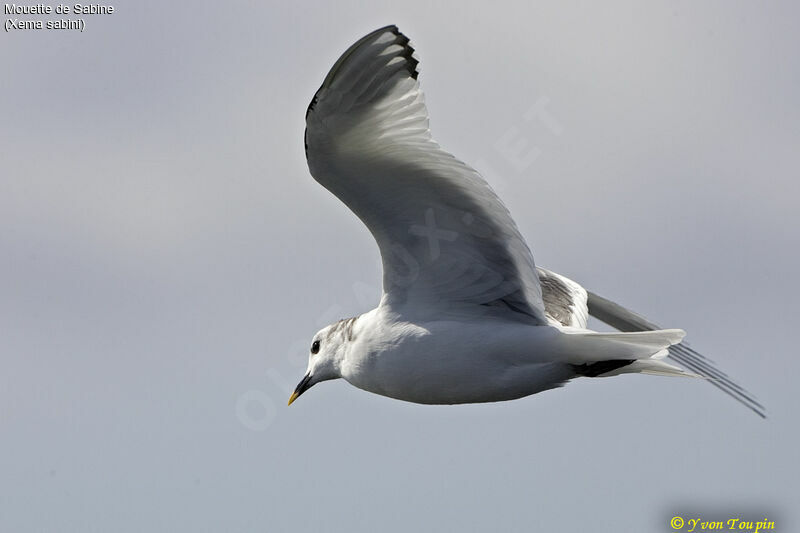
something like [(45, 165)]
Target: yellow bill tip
[(293, 397)]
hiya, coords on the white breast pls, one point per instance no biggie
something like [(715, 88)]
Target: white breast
[(449, 362)]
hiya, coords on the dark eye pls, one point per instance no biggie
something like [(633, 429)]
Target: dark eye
[(315, 347)]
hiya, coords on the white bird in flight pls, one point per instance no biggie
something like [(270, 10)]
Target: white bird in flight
[(465, 315)]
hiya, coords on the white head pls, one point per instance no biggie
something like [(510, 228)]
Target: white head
[(327, 352)]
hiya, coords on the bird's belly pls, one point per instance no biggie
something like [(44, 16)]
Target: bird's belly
[(449, 367)]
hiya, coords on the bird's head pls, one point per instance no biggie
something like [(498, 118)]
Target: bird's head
[(325, 355)]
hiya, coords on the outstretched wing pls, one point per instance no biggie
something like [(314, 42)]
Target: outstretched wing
[(445, 238), (626, 320)]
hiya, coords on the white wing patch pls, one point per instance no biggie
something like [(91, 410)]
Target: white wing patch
[(446, 240), (565, 301)]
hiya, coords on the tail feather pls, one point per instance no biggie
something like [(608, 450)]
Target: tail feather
[(653, 366), (590, 347), (625, 320), (611, 354)]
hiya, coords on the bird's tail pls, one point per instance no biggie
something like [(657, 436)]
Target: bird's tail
[(626, 320), (596, 354)]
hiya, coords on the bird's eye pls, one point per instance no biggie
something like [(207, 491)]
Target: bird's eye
[(315, 347)]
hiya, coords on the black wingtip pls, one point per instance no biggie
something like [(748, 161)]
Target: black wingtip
[(408, 50), (400, 39)]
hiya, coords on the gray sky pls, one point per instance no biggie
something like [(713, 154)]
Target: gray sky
[(166, 258)]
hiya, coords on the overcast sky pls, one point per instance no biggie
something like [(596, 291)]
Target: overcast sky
[(165, 258)]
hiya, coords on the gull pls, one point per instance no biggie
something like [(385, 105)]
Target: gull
[(465, 315)]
